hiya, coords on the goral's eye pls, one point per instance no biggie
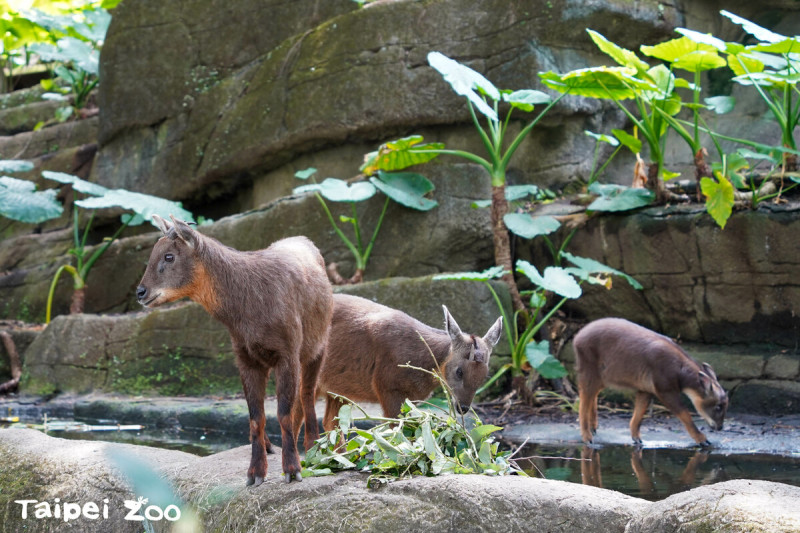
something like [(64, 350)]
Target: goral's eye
[(169, 258), (459, 373)]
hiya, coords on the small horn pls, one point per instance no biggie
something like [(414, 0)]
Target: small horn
[(162, 224)]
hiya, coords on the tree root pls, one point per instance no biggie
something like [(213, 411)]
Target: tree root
[(745, 199), (16, 366), (337, 279)]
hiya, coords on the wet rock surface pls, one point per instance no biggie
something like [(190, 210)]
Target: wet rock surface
[(42, 468)]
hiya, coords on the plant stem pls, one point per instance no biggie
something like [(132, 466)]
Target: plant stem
[(77, 281), (502, 244), (368, 251), (356, 253)]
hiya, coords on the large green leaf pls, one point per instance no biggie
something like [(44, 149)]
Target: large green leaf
[(539, 356), (704, 38), (663, 84), (618, 197), (744, 64), (762, 34), (465, 81), (617, 83), (700, 61), (628, 140), (70, 50), (406, 188), (719, 198), (528, 226), (15, 165), (19, 200), (77, 183), (555, 279), (786, 46), (486, 275), (686, 54), (769, 79), (526, 99), (143, 205), (399, 154), (590, 266), (337, 190), (672, 50), (720, 104), (622, 56)]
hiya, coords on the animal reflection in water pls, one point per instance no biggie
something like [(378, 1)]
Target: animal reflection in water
[(591, 472)]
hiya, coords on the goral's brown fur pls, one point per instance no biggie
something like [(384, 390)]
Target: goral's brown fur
[(277, 304)]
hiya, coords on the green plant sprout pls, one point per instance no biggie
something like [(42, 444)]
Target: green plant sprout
[(483, 96), (686, 54), (405, 188), (19, 199), (563, 282), (419, 441), (143, 207), (651, 88)]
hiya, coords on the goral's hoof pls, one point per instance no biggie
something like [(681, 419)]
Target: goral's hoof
[(637, 443), (288, 477), (705, 444), (254, 481)]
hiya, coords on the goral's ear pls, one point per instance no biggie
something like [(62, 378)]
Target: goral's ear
[(708, 370), (451, 326), (185, 231), (162, 224), (705, 383), (493, 335)]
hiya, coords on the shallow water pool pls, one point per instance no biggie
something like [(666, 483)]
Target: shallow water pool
[(652, 473)]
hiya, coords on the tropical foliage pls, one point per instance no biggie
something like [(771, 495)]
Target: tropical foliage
[(406, 188)]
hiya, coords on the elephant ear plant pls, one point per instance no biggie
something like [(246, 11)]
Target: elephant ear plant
[(564, 283), (19, 199), (405, 188), (143, 207), (483, 101)]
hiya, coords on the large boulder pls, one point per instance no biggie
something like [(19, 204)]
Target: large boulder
[(204, 125), (322, 85), (209, 492)]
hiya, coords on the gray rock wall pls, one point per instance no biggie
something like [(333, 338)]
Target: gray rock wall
[(701, 283), (335, 80)]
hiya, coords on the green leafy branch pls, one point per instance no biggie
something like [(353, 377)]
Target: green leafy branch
[(419, 441)]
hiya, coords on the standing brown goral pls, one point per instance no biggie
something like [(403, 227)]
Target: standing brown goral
[(277, 304), (613, 352)]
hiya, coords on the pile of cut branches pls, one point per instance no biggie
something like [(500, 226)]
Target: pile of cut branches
[(425, 439)]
